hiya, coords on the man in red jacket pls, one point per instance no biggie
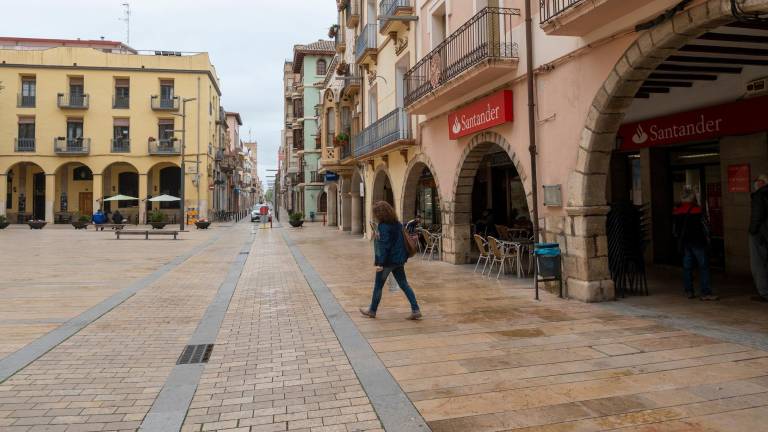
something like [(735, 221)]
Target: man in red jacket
[(758, 237), (692, 234)]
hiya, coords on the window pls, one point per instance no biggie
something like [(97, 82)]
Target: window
[(122, 93), (26, 139), (76, 92), (166, 93), (330, 126), (121, 141), (28, 92), (322, 67), (165, 132)]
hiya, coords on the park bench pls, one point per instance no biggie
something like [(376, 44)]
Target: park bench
[(116, 227), (146, 233)]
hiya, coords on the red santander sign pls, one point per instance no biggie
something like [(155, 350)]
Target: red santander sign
[(735, 118), (482, 114)]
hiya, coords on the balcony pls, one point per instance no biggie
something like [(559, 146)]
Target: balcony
[(164, 104), (340, 42), (120, 145), (72, 101), (71, 146), (120, 102), (478, 52), (366, 48), (315, 177), (170, 146), (23, 145), (580, 17), (392, 12), (228, 163), (389, 133), (353, 13), (23, 101), (352, 85), (298, 141)]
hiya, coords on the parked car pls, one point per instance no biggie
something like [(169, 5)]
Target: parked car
[(261, 213)]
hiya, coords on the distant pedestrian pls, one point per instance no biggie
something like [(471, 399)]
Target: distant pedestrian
[(117, 217), (758, 237), (390, 257), (99, 217), (692, 234)]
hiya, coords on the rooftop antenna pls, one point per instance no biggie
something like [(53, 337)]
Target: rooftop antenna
[(127, 18)]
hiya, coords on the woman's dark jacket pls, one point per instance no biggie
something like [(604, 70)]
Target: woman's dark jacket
[(389, 246), (758, 224)]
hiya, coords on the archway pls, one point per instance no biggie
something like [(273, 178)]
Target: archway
[(26, 193), (421, 193), (164, 178), (357, 203), (382, 187), (322, 203), (657, 51), (74, 192), (489, 193), (122, 178)]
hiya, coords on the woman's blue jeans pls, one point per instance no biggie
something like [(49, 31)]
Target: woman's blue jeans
[(399, 274), (699, 256)]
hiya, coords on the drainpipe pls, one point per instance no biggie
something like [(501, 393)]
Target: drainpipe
[(200, 211), (532, 130)]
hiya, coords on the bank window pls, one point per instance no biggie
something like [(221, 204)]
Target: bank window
[(322, 67), (122, 93), (26, 138), (28, 92)]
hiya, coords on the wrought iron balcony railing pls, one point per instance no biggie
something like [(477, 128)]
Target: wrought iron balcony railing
[(120, 102), (366, 41), (346, 151), (389, 129), (486, 36), (165, 104), (549, 9), (24, 144), (121, 145), (71, 145), (73, 101), (388, 8), (353, 13), (170, 146), (23, 101)]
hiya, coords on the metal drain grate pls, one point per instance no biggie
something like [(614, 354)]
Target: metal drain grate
[(244, 253), (195, 354)]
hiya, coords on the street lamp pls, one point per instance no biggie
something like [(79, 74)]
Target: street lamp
[(183, 131)]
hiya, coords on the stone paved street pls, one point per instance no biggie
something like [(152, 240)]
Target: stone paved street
[(485, 358)]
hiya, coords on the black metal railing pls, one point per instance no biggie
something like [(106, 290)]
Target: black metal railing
[(121, 145), (393, 127), (298, 110), (346, 151), (24, 144), (486, 36), (120, 102), (71, 145), (169, 146), (165, 104), (79, 101), (549, 9), (365, 41), (353, 13), (25, 101), (388, 8)]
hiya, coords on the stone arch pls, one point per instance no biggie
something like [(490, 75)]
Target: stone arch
[(586, 261), (381, 179), (412, 173), (456, 229), (21, 178)]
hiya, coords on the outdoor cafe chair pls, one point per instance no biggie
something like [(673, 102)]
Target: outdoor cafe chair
[(485, 253), (501, 253)]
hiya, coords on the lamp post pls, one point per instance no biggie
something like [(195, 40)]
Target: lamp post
[(183, 164)]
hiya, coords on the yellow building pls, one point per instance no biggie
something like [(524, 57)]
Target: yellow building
[(81, 121)]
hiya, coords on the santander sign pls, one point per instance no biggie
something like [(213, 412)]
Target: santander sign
[(735, 118), (482, 114)]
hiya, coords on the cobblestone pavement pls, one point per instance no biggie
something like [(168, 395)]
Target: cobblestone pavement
[(489, 358)]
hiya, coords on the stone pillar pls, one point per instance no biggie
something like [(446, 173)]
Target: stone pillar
[(3, 193), (346, 212), (356, 224), (143, 192), (331, 209), (50, 196), (98, 191), (586, 254)]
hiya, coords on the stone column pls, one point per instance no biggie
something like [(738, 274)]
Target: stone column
[(331, 210), (3, 193), (143, 192), (50, 196), (586, 254), (355, 224), (346, 212), (98, 191)]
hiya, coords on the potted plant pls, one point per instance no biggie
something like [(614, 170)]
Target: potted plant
[(341, 4), (342, 68), (36, 223), (203, 223), (296, 219), (157, 219), (341, 139), (333, 31), (81, 222), (3, 222)]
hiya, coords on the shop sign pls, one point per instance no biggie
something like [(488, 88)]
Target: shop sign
[(485, 113), (738, 178), (331, 176), (736, 118)]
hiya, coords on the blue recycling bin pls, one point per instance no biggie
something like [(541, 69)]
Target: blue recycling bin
[(548, 264)]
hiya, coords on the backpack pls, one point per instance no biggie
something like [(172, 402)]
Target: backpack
[(410, 244)]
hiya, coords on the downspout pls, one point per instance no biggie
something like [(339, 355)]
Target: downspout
[(197, 157), (532, 129)]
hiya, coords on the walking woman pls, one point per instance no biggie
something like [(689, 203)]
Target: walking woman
[(390, 257)]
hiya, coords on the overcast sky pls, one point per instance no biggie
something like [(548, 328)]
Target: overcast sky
[(248, 41)]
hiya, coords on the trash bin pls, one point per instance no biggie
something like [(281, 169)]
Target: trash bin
[(548, 265)]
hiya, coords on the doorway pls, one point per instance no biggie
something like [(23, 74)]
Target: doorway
[(38, 196), (85, 204)]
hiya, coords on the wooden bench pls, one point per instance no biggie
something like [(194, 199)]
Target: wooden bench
[(115, 227), (146, 233)]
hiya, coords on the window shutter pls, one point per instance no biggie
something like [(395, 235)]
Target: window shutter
[(122, 122)]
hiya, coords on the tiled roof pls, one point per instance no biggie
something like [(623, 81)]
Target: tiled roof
[(321, 47)]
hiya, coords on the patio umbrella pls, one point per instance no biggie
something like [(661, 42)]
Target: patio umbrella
[(121, 198), (164, 198)]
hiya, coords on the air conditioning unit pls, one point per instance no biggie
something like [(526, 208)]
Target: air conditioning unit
[(757, 87)]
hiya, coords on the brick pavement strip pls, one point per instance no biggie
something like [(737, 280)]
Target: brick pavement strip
[(277, 364)]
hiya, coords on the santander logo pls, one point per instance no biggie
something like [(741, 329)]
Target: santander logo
[(456, 128), (640, 136)]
